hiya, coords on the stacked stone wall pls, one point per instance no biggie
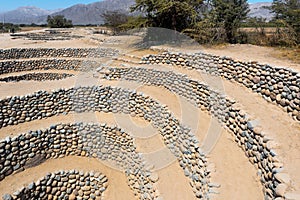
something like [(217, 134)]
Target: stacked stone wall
[(6, 54), (101, 142), (179, 139), (276, 84), (7, 67), (64, 184), (36, 77), (248, 134)]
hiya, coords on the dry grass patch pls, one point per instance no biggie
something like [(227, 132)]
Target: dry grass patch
[(292, 54)]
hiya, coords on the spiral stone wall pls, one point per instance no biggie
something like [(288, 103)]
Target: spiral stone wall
[(46, 36), (280, 85), (179, 139), (276, 84), (36, 77), (6, 54), (7, 67), (63, 184), (247, 134), (92, 140)]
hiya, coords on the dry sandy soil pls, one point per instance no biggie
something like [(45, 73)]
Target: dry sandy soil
[(232, 170), (248, 52)]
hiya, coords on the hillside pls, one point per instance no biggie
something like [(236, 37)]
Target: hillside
[(261, 10), (91, 13), (25, 15)]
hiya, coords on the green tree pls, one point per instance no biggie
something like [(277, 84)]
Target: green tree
[(9, 27), (229, 14), (134, 22), (289, 12), (115, 19), (59, 21), (172, 14)]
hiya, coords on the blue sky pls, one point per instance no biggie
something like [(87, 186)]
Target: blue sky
[(7, 5)]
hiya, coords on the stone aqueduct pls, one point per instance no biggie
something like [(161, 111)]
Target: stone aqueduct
[(109, 143)]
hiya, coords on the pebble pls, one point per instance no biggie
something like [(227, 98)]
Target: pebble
[(154, 177), (281, 189), (7, 197)]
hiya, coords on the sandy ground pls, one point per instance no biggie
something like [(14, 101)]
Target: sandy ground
[(236, 175), (247, 52)]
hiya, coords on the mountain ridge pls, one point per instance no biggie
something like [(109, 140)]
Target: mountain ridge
[(25, 14), (260, 10), (82, 14)]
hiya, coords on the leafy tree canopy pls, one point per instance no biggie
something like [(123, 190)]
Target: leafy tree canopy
[(289, 12), (59, 21), (230, 14), (172, 14)]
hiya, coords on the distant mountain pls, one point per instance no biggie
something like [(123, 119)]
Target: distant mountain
[(25, 15), (261, 10), (91, 13)]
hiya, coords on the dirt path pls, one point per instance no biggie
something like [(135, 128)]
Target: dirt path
[(276, 124), (29, 87)]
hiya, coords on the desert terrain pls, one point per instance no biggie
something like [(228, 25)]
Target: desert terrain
[(159, 122)]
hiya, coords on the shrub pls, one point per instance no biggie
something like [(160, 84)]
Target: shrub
[(59, 21)]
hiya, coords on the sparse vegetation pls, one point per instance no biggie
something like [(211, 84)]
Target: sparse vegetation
[(134, 22), (59, 21), (208, 22), (228, 15), (9, 28), (219, 21), (176, 15), (119, 21), (287, 13), (205, 21), (114, 19), (292, 54)]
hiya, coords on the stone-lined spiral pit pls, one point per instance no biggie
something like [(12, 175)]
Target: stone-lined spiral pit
[(110, 144), (275, 84), (37, 77), (179, 139), (70, 185), (6, 54), (249, 137), (103, 142)]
